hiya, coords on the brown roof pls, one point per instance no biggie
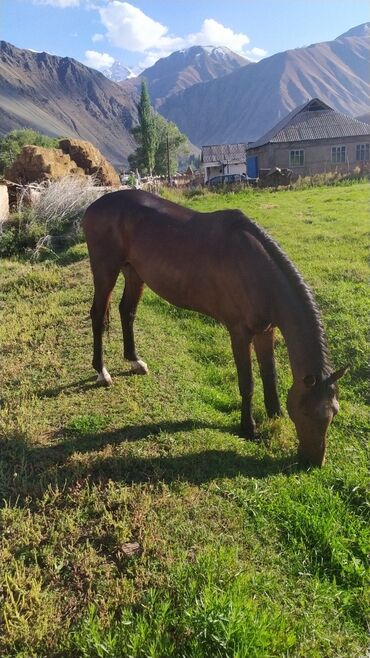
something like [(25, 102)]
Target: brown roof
[(224, 153)]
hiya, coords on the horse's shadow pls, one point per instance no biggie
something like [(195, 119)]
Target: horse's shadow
[(80, 385), (29, 470)]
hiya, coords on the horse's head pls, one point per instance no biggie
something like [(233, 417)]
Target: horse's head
[(312, 405)]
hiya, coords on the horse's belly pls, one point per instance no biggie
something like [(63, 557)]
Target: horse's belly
[(183, 289)]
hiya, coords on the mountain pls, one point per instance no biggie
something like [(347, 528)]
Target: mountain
[(244, 104), (362, 30), (212, 94), (117, 72), (62, 97), (185, 68)]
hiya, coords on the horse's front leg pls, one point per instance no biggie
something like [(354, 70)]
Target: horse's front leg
[(98, 314), (127, 308), (105, 278), (241, 342), (264, 346)]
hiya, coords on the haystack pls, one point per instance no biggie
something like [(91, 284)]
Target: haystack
[(91, 161), (36, 164)]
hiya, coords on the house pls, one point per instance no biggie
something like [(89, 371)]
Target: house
[(223, 159), (312, 139)]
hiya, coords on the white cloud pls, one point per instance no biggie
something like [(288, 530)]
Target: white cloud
[(97, 37), (98, 60), (213, 33), (129, 28), (58, 3), (258, 52)]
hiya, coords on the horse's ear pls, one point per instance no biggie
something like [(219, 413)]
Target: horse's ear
[(309, 381), (337, 375)]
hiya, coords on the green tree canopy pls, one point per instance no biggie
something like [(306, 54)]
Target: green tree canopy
[(151, 155), (11, 144), (148, 129)]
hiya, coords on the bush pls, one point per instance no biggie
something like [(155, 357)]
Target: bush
[(52, 221)]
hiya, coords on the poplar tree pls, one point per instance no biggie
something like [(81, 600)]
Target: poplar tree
[(148, 128)]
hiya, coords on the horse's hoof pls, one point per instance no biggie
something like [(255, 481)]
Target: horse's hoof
[(139, 367), (104, 378), (248, 433)]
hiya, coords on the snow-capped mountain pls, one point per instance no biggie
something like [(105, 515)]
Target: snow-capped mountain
[(118, 72)]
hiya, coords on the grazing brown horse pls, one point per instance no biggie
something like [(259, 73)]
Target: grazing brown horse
[(221, 264)]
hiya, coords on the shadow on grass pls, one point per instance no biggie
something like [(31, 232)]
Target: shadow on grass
[(81, 384), (28, 470)]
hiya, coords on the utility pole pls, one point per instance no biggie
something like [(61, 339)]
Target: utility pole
[(168, 161)]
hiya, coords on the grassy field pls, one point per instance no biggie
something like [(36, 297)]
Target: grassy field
[(134, 522)]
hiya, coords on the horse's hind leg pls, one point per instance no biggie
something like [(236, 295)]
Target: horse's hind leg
[(264, 346), (241, 342), (104, 282), (127, 308)]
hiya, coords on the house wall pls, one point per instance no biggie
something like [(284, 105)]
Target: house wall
[(317, 155), (217, 169)]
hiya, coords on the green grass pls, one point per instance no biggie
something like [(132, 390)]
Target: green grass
[(239, 553)]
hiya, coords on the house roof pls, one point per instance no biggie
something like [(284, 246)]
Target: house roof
[(313, 120), (224, 153)]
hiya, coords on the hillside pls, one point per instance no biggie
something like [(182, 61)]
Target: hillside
[(241, 106), (61, 97), (185, 68), (212, 94)]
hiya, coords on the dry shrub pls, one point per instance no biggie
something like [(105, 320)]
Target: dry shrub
[(59, 206), (48, 216)]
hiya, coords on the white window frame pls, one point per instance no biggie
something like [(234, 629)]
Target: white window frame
[(338, 154), (294, 155)]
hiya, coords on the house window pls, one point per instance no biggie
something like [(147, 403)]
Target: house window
[(362, 151), (296, 158), (338, 154)]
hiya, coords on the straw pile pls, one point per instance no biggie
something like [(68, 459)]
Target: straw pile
[(88, 158), (37, 164)]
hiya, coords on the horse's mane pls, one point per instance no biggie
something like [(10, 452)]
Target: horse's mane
[(296, 280)]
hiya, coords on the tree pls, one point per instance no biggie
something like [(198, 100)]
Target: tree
[(12, 143), (147, 127), (170, 143), (167, 141)]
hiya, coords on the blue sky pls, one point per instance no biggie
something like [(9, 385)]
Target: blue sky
[(139, 32)]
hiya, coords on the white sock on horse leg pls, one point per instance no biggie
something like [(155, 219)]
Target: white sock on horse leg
[(139, 367), (104, 378)]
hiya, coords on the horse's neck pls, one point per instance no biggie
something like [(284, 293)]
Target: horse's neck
[(303, 336)]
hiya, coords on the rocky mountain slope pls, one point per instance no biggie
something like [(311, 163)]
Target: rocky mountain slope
[(212, 94), (185, 68), (244, 104), (62, 97)]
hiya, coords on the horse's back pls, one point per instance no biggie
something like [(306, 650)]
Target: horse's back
[(207, 262)]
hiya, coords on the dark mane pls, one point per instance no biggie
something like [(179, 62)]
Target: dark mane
[(298, 283)]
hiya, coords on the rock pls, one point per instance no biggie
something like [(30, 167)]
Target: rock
[(131, 548)]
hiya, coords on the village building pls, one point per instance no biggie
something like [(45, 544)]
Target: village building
[(312, 139), (223, 162)]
